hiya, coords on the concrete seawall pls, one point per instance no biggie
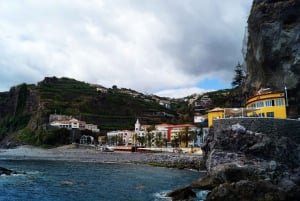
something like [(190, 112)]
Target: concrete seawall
[(269, 126)]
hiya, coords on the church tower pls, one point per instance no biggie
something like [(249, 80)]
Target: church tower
[(137, 126)]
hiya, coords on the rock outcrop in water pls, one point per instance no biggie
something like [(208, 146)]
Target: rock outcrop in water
[(273, 53), (4, 171), (246, 165)]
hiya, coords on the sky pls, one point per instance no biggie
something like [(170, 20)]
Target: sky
[(170, 48)]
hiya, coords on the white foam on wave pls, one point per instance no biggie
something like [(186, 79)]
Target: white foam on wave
[(161, 196)]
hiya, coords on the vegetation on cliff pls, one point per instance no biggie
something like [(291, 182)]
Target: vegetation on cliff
[(25, 109)]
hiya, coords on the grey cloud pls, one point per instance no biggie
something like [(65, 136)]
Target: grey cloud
[(145, 45)]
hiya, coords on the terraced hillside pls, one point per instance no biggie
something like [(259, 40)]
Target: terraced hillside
[(30, 106)]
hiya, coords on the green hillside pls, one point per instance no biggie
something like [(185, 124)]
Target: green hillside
[(110, 110), (25, 109)]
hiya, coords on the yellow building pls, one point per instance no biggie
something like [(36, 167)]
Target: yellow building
[(270, 104), (216, 113)]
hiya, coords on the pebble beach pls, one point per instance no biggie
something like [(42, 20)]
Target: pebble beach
[(72, 153)]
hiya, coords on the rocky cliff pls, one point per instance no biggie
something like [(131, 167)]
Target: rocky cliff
[(17, 107), (273, 49), (248, 165)]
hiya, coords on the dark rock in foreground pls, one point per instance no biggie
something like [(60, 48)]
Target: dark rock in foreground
[(246, 165), (185, 193)]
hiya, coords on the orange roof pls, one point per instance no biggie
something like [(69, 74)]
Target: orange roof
[(183, 125), (163, 124), (175, 126)]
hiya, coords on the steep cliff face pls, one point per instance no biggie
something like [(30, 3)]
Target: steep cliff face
[(17, 107), (273, 49), (22, 99)]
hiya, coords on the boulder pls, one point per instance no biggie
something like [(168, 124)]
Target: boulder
[(244, 165), (184, 193), (245, 190), (4, 171)]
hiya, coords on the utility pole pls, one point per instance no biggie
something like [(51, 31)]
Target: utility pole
[(286, 96)]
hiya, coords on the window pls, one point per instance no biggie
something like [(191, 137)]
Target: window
[(260, 104), (268, 103), (279, 102), (270, 114)]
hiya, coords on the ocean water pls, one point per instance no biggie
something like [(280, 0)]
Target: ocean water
[(78, 181)]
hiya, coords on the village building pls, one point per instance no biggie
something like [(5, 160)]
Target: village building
[(92, 127), (64, 121), (269, 104), (68, 124), (86, 139), (166, 134), (264, 104), (165, 103), (120, 137), (54, 117)]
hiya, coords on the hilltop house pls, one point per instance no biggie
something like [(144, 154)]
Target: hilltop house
[(69, 124), (63, 121), (165, 103)]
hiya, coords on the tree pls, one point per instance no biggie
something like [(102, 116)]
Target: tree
[(141, 140), (149, 135), (149, 138), (193, 136), (134, 139), (158, 139), (185, 136), (239, 76)]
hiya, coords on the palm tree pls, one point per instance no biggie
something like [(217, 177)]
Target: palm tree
[(149, 137), (193, 136), (185, 136), (141, 140), (134, 139), (158, 139)]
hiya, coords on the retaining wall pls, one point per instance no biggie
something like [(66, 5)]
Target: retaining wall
[(270, 126)]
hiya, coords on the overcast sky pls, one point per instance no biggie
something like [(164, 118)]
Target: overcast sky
[(165, 47)]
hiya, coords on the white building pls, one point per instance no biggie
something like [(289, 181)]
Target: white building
[(92, 127), (74, 124), (69, 124), (120, 137)]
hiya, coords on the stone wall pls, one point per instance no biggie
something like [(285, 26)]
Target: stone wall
[(269, 126)]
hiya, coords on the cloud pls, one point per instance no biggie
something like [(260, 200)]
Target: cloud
[(181, 92), (149, 46)]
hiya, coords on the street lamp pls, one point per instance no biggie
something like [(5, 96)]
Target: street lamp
[(286, 96)]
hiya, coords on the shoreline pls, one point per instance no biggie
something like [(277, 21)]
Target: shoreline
[(70, 153)]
